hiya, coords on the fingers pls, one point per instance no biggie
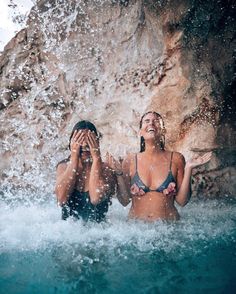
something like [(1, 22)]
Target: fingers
[(110, 160), (79, 135), (79, 138), (198, 160), (92, 140), (115, 163), (206, 157), (74, 134), (141, 192), (107, 158)]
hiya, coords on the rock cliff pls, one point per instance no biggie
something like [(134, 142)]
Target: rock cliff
[(109, 62)]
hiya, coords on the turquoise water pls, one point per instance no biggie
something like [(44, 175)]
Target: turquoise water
[(42, 254)]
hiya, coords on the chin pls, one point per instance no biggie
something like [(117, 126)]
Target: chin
[(150, 137)]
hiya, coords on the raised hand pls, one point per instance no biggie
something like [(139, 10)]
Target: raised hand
[(93, 144), (76, 142), (114, 164), (136, 191), (198, 160), (170, 190)]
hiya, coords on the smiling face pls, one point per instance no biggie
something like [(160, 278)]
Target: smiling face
[(151, 127)]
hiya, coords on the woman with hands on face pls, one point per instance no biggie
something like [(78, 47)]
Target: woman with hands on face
[(155, 178), (84, 184)]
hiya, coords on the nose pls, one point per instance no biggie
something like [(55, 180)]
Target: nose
[(151, 123)]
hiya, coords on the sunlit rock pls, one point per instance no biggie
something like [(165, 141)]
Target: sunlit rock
[(109, 62)]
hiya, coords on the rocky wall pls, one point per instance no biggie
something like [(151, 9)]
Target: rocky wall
[(109, 62)]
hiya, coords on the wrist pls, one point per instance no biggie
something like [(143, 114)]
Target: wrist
[(97, 159), (118, 172), (74, 159), (188, 168)]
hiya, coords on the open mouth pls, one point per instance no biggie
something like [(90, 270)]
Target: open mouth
[(151, 130)]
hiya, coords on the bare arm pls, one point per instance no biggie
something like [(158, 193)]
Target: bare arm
[(99, 184), (183, 181), (123, 187), (184, 173), (122, 172), (97, 187), (67, 172), (66, 179)]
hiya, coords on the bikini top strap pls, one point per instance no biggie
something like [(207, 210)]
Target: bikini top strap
[(171, 160), (136, 163)]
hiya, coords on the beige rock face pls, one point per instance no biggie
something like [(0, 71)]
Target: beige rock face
[(110, 62)]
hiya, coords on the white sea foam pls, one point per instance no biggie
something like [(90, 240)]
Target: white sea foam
[(38, 226)]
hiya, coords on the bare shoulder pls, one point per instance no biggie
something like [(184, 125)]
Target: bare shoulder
[(129, 158), (178, 159), (62, 165), (128, 161)]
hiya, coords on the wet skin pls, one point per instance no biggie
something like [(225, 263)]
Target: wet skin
[(154, 205), (153, 166)]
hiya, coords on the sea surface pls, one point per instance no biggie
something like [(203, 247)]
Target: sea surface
[(40, 253)]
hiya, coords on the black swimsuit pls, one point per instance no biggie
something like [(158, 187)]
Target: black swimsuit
[(79, 205), (137, 180)]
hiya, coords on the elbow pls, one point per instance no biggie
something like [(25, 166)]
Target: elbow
[(95, 201), (124, 201), (61, 197), (61, 200), (125, 204), (182, 204), (182, 200)]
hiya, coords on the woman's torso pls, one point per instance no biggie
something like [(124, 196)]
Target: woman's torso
[(153, 175), (79, 204)]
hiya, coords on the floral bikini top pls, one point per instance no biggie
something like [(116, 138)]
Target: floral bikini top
[(166, 187)]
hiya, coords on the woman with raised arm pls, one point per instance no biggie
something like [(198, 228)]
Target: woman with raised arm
[(155, 178), (84, 184)]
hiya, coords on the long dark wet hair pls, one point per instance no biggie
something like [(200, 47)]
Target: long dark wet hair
[(142, 141), (82, 125)]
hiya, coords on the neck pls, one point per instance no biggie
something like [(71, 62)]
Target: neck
[(153, 147)]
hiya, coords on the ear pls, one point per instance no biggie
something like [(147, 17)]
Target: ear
[(163, 131), (140, 133)]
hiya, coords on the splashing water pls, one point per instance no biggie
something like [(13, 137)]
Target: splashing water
[(40, 253)]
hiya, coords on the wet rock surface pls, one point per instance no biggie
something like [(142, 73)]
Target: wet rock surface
[(109, 62)]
